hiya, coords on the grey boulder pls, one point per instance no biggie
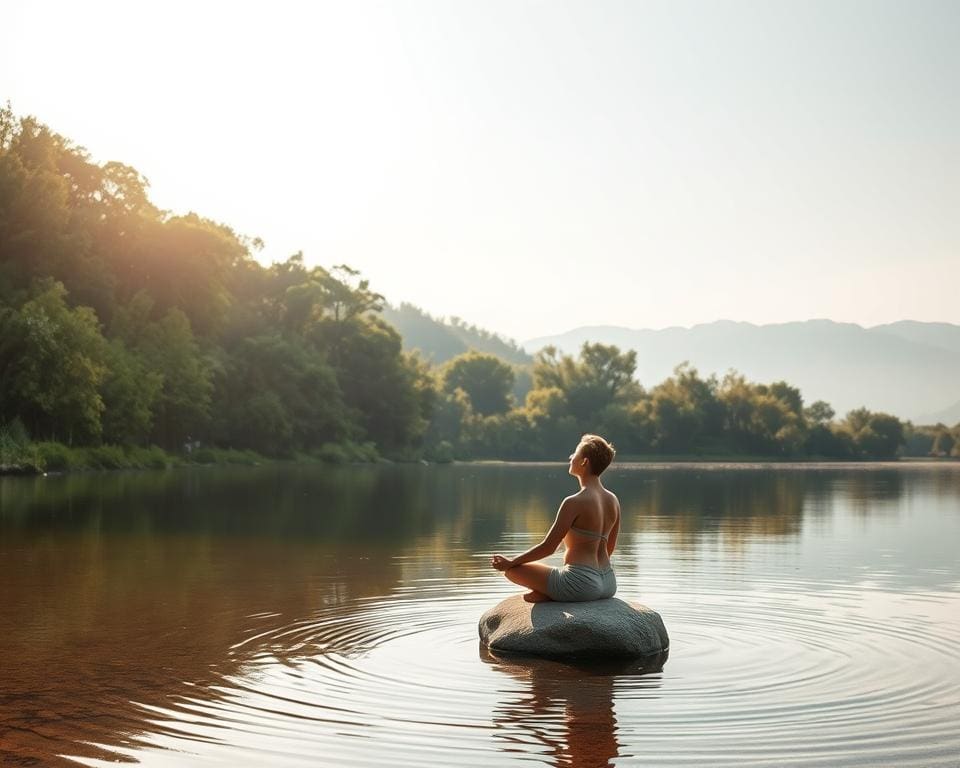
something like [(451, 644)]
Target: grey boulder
[(589, 629)]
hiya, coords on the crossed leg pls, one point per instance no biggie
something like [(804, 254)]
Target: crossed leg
[(534, 576)]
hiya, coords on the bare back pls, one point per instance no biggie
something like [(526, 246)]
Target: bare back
[(598, 520)]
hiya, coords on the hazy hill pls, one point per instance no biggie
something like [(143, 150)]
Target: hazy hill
[(949, 416), (945, 335), (909, 369), (439, 340)]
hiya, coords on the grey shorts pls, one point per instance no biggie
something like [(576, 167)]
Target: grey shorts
[(575, 583)]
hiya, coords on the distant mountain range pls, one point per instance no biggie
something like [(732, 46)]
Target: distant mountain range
[(438, 339), (910, 369)]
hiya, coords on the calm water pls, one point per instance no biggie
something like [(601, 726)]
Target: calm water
[(292, 615)]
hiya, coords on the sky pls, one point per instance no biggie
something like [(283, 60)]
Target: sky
[(532, 167)]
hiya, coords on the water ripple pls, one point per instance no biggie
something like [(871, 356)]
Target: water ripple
[(786, 676)]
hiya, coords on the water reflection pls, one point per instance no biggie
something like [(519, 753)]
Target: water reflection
[(565, 708), (123, 592)]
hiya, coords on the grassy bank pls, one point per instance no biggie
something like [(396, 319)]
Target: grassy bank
[(37, 458), (24, 457)]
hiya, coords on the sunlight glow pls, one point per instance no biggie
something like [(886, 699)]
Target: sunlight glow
[(532, 167)]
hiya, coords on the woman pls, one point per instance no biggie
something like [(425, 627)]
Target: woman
[(587, 523)]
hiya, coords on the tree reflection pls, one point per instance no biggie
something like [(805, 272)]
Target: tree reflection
[(565, 708), (143, 586), (737, 504)]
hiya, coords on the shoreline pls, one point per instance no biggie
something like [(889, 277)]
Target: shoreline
[(627, 462)]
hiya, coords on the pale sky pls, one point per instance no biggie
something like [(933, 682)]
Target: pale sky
[(536, 166)]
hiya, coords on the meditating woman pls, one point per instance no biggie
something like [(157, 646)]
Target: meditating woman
[(587, 523)]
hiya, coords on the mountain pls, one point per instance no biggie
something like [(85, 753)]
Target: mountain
[(949, 416), (944, 335), (909, 369), (439, 340)]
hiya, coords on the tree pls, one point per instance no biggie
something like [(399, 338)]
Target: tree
[(130, 391), (686, 411), (451, 413), (548, 413), (53, 363), (486, 379), (943, 441), (278, 395), (824, 440), (760, 418), (788, 395), (300, 354), (183, 405), (875, 435), (184, 263), (601, 376), (385, 392), (819, 412)]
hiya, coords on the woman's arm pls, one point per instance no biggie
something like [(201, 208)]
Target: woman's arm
[(614, 532), (548, 546)]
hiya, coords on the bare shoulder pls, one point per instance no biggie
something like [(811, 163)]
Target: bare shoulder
[(612, 497), (572, 504)]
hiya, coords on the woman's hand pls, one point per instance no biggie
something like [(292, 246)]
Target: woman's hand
[(500, 562)]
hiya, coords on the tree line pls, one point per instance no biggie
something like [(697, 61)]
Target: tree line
[(683, 415), (124, 325)]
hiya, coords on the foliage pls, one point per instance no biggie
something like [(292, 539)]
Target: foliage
[(685, 414), (274, 394), (201, 342), (602, 376), (124, 328), (486, 380), (53, 359), (130, 394), (14, 441), (56, 457), (874, 435), (347, 452)]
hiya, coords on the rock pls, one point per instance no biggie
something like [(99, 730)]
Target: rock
[(593, 628)]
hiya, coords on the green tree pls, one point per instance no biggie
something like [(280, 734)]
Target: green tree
[(183, 405), (385, 391), (686, 411), (184, 263), (942, 444), (819, 412), (824, 440), (602, 375), (130, 391), (382, 386), (486, 379), (761, 418), (451, 413), (278, 395), (551, 422), (53, 362), (874, 435)]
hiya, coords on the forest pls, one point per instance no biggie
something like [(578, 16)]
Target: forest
[(130, 336)]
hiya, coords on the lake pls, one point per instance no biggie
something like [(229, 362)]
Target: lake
[(304, 615)]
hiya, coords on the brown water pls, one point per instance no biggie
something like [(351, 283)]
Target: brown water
[(296, 615)]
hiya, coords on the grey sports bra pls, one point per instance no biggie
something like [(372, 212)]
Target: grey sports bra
[(592, 534)]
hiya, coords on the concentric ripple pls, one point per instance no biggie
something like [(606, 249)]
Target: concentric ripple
[(814, 620), (787, 676)]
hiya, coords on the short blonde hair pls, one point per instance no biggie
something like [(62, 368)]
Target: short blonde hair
[(599, 451)]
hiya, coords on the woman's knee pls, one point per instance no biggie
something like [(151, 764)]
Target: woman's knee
[(533, 577), (524, 576)]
